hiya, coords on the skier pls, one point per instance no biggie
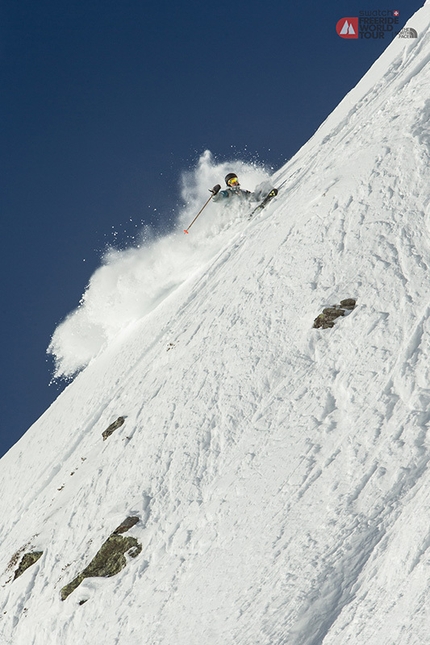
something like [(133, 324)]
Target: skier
[(234, 190), (263, 194)]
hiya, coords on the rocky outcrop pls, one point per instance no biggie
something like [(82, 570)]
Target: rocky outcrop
[(330, 314), (128, 523), (110, 559), (28, 559), (113, 426)]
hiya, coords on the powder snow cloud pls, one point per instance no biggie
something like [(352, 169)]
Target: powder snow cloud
[(132, 282)]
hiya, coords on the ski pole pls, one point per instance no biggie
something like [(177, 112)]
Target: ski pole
[(204, 206)]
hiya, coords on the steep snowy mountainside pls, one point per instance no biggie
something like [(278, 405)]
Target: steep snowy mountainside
[(280, 472), (403, 60)]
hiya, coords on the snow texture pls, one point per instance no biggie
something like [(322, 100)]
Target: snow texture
[(280, 472)]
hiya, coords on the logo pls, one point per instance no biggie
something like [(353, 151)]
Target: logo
[(347, 28), (408, 32), (373, 24)]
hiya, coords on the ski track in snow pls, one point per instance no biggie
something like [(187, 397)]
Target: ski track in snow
[(280, 472)]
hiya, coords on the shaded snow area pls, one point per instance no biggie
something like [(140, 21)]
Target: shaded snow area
[(263, 482)]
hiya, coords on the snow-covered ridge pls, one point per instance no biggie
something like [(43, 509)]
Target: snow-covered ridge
[(279, 472)]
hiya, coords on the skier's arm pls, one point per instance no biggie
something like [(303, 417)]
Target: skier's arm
[(219, 194)]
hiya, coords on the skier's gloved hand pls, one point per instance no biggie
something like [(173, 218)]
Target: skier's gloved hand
[(215, 190)]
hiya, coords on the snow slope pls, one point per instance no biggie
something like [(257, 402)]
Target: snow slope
[(280, 472)]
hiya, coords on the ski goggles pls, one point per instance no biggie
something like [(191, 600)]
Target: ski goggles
[(233, 181)]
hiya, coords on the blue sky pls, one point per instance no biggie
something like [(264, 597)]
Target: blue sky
[(104, 105)]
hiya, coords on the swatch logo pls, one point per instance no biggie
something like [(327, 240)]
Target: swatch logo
[(371, 24), (347, 28)]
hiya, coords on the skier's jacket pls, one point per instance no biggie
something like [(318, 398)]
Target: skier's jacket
[(237, 193)]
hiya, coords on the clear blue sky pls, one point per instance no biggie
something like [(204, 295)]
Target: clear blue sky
[(103, 105)]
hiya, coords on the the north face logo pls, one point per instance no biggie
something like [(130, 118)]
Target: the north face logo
[(347, 28)]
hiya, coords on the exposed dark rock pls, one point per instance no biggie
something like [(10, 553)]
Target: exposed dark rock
[(110, 559), (128, 523), (113, 426), (330, 314), (28, 559), (349, 303)]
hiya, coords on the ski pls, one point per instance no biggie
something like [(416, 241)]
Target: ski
[(264, 203)]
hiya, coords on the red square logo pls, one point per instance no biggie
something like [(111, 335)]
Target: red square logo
[(347, 28)]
